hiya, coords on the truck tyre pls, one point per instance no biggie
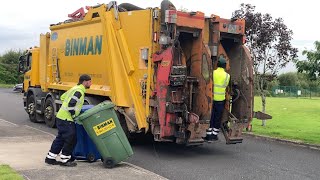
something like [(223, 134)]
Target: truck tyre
[(132, 137), (49, 113), (123, 124), (90, 100), (31, 107)]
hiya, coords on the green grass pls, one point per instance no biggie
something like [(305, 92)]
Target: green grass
[(292, 118), (6, 85), (7, 173)]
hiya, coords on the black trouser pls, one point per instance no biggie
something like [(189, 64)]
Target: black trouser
[(66, 139), (216, 114)]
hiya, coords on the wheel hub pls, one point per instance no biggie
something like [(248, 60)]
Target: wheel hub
[(31, 108), (48, 112)]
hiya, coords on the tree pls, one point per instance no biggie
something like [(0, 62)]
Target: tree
[(303, 80), (9, 67), (269, 42), (311, 66), (289, 79)]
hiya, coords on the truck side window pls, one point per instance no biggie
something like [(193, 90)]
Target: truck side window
[(29, 61)]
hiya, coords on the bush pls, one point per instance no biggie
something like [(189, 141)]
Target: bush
[(9, 67), (288, 79)]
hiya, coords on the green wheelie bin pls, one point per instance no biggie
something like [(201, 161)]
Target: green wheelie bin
[(103, 127)]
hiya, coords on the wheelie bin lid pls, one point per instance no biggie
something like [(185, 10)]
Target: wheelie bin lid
[(100, 107)]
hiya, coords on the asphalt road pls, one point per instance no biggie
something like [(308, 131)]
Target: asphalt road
[(253, 159)]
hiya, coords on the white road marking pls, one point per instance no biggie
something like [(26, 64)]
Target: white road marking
[(40, 130), (9, 122)]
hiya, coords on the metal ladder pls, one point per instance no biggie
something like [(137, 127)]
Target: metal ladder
[(54, 65)]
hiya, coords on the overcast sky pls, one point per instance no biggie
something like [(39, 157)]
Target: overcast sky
[(21, 22)]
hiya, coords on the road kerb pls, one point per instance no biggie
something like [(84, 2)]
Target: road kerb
[(16, 140)]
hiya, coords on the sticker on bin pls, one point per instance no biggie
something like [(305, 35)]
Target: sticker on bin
[(104, 127)]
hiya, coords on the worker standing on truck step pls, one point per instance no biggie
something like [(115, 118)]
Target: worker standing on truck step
[(221, 80), (72, 102)]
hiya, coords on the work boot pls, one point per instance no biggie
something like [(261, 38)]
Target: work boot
[(215, 133), (208, 137), (51, 161), (69, 164), (214, 137), (72, 158)]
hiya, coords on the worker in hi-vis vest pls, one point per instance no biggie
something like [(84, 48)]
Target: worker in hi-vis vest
[(221, 80), (65, 141)]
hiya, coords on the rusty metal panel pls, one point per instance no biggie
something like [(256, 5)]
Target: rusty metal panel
[(162, 87)]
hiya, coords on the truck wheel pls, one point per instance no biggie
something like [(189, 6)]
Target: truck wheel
[(49, 110), (123, 124), (88, 100), (108, 163), (31, 108)]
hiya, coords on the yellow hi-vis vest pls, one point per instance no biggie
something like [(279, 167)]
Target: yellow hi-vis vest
[(220, 82), (63, 112)]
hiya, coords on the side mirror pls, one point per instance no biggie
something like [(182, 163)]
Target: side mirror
[(21, 64)]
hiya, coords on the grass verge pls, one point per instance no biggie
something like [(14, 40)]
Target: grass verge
[(6, 85), (292, 118), (7, 173)]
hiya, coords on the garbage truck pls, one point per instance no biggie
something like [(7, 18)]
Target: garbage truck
[(154, 64)]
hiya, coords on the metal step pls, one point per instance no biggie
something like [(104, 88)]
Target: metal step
[(234, 140), (179, 70), (195, 142), (177, 80)]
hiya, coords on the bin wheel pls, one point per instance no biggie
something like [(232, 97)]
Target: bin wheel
[(108, 163), (91, 157)]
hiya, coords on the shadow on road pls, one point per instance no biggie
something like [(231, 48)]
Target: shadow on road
[(169, 149)]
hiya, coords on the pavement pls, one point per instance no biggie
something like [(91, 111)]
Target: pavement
[(24, 148)]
